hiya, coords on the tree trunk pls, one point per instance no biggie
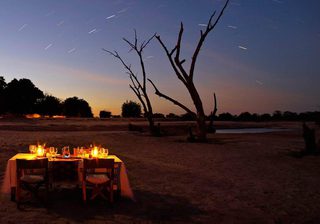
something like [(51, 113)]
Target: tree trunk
[(202, 128), (201, 117), (151, 123)]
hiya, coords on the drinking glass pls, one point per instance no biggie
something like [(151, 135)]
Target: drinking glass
[(66, 151), (52, 151), (82, 152), (103, 152), (32, 149)]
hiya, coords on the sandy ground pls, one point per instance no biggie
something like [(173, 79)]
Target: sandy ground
[(235, 178)]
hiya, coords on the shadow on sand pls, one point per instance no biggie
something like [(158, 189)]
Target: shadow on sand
[(148, 206)]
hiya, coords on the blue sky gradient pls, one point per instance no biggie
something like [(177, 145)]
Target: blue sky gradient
[(263, 55)]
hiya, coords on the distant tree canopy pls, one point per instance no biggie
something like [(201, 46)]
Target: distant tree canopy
[(75, 107), (3, 85), (49, 105), (105, 114), (172, 116), (276, 116), (131, 109), (20, 97), (158, 115)]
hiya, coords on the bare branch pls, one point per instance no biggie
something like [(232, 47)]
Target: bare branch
[(135, 38), (133, 47), (134, 83), (126, 66), (177, 57), (135, 90), (169, 55), (179, 41), (215, 105), (172, 51), (203, 36), (145, 43), (157, 92), (140, 99)]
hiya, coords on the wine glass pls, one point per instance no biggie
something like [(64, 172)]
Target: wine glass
[(104, 152), (66, 152), (52, 151), (32, 149)]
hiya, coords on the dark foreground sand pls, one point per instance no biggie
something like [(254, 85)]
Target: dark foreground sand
[(235, 178)]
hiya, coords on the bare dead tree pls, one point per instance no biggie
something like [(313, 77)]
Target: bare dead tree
[(186, 77), (137, 86)]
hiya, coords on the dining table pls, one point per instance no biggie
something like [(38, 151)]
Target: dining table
[(122, 185)]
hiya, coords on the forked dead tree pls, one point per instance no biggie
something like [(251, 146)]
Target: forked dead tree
[(186, 77), (137, 86)]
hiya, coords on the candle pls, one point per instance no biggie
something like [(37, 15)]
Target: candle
[(95, 152), (40, 150)]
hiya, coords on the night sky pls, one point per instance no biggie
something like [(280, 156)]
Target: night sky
[(263, 55)]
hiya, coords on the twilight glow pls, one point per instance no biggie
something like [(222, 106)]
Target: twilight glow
[(262, 56)]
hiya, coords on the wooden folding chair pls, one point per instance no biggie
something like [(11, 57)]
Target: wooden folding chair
[(64, 174), (99, 173), (31, 175)]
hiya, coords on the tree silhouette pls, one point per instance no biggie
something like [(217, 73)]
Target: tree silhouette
[(75, 107), (105, 114), (49, 105), (186, 77), (131, 109), (139, 87), (226, 117), (21, 96), (3, 85), (244, 116)]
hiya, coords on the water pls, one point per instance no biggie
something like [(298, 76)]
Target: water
[(248, 130)]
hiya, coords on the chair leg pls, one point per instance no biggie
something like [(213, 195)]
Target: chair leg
[(111, 191), (84, 192), (47, 195)]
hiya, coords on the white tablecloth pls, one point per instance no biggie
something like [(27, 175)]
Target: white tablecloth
[(10, 179)]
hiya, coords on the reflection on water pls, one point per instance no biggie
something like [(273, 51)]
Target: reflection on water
[(248, 130)]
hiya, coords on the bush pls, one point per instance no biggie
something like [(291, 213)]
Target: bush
[(75, 107), (131, 109), (105, 114), (158, 115)]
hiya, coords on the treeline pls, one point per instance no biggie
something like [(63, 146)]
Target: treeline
[(247, 116), (133, 109), (275, 116), (21, 97)]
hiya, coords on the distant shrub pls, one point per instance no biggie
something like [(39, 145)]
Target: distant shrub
[(172, 116), (75, 107), (131, 109), (105, 114), (187, 117), (226, 117), (158, 115)]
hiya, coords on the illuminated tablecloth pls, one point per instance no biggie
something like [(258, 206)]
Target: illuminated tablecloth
[(10, 179)]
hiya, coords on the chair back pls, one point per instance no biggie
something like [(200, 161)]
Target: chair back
[(64, 171), (37, 166), (98, 165)]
